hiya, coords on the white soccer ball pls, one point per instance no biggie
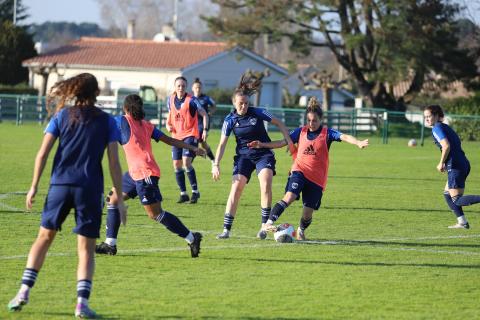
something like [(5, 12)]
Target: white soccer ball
[(412, 143), (285, 233)]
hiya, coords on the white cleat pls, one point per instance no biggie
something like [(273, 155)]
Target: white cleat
[(224, 235), (460, 226), (300, 235)]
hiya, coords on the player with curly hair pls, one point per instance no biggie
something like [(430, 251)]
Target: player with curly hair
[(84, 132)]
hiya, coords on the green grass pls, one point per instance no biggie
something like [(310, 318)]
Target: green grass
[(380, 248)]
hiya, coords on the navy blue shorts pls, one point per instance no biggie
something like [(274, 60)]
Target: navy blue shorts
[(147, 190), (457, 177), (245, 165), (177, 153), (311, 192), (88, 205)]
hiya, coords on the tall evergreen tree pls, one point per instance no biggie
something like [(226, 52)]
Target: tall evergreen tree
[(379, 42), (16, 44), (6, 11)]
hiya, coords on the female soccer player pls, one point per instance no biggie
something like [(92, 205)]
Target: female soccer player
[(84, 131), (182, 123), (310, 168), (210, 107), (142, 176), (246, 123), (454, 162)]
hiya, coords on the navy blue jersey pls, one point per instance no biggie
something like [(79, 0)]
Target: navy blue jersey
[(124, 128), (205, 101), (332, 135), (78, 160), (193, 106), (456, 157), (247, 128)]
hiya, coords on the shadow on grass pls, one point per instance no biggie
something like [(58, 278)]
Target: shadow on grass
[(383, 178), (64, 315), (208, 317), (353, 263), (399, 210), (384, 243)]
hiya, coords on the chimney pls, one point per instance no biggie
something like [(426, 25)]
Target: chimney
[(131, 29)]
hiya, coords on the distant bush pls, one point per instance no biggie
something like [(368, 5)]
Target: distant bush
[(21, 88), (465, 106), (221, 96), (467, 129), (404, 129)]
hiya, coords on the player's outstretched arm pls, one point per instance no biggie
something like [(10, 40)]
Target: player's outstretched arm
[(116, 174), (286, 134), (40, 160), (269, 145), (352, 140), (180, 144)]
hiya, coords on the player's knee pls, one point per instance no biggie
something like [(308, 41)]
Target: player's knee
[(456, 198)]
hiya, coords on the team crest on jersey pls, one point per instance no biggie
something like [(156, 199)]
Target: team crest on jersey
[(294, 185), (253, 121), (310, 151), (178, 117)]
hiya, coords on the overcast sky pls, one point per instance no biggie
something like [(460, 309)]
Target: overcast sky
[(89, 10)]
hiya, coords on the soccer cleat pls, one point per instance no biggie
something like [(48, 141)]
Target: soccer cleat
[(262, 234), (195, 197), (84, 312), (300, 235), (195, 245), (18, 302), (183, 198), (104, 248), (460, 226), (224, 235)]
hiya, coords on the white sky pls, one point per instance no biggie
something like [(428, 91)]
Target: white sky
[(62, 10), (89, 10)]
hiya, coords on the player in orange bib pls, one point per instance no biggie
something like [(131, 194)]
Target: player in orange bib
[(309, 171), (182, 123), (143, 177)]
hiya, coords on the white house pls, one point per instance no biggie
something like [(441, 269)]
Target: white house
[(134, 63)]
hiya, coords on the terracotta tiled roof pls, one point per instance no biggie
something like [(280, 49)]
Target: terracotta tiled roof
[(130, 53)]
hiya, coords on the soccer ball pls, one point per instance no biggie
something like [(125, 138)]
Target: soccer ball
[(285, 233), (412, 143)]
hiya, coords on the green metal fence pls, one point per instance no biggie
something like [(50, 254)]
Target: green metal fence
[(366, 122)]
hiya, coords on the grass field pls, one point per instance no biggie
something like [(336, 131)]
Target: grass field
[(379, 247)]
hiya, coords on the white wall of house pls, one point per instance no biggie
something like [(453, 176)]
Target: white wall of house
[(161, 80), (225, 70)]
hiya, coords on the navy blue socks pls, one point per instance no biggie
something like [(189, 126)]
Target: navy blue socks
[(172, 223)]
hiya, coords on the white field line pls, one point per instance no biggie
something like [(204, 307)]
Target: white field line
[(267, 244), (6, 195)]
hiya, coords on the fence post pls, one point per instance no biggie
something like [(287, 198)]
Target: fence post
[(40, 111), (354, 127), (385, 127), (17, 116), (159, 113), (422, 131)]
